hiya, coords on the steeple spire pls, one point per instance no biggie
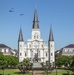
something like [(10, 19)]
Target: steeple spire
[(51, 34), (35, 21), (20, 36)]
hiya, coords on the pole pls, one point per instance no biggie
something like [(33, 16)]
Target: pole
[(47, 67), (47, 71), (23, 73), (56, 70), (3, 70), (32, 70)]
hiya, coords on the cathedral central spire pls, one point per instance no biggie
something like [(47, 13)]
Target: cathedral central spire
[(35, 21)]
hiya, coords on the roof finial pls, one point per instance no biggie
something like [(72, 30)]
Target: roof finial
[(35, 5)]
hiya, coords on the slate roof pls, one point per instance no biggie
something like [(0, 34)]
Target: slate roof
[(51, 35), (15, 50), (35, 21), (20, 35), (4, 46), (69, 46)]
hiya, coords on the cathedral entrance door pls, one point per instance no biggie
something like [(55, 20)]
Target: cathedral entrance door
[(36, 57)]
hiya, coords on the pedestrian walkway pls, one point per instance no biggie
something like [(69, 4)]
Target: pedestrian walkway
[(37, 65), (37, 72)]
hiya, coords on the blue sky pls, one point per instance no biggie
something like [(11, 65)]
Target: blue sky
[(59, 13)]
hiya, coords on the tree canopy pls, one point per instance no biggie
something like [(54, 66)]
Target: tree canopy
[(3, 62), (25, 66), (66, 61), (8, 61), (12, 61)]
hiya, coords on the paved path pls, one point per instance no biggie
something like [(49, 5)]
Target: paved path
[(37, 72)]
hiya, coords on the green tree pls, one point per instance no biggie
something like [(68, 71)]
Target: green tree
[(63, 60), (12, 61), (25, 66), (72, 63), (3, 62)]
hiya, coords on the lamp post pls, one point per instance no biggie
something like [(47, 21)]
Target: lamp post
[(47, 70), (56, 70), (47, 67), (55, 66), (3, 70), (32, 70)]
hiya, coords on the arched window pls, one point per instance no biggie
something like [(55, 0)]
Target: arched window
[(37, 36), (4, 50), (46, 54), (38, 53), (42, 45), (31, 52), (25, 54), (30, 45), (34, 37), (20, 54), (51, 54)]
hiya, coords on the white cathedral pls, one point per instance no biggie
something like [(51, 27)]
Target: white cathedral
[(36, 49)]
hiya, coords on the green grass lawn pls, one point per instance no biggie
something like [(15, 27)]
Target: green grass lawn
[(13, 72), (59, 72), (17, 72)]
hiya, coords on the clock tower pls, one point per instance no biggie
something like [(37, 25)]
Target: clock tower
[(35, 28), (35, 36)]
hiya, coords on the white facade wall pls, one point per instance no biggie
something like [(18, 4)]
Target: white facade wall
[(51, 52), (33, 47), (35, 34), (7, 51), (68, 51), (21, 51), (37, 46)]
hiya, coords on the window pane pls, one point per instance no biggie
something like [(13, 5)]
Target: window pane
[(51, 54), (20, 54)]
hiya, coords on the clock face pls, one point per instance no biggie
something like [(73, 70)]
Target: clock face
[(35, 36)]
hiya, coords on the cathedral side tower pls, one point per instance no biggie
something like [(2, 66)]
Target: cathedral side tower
[(35, 28), (20, 46), (51, 48)]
